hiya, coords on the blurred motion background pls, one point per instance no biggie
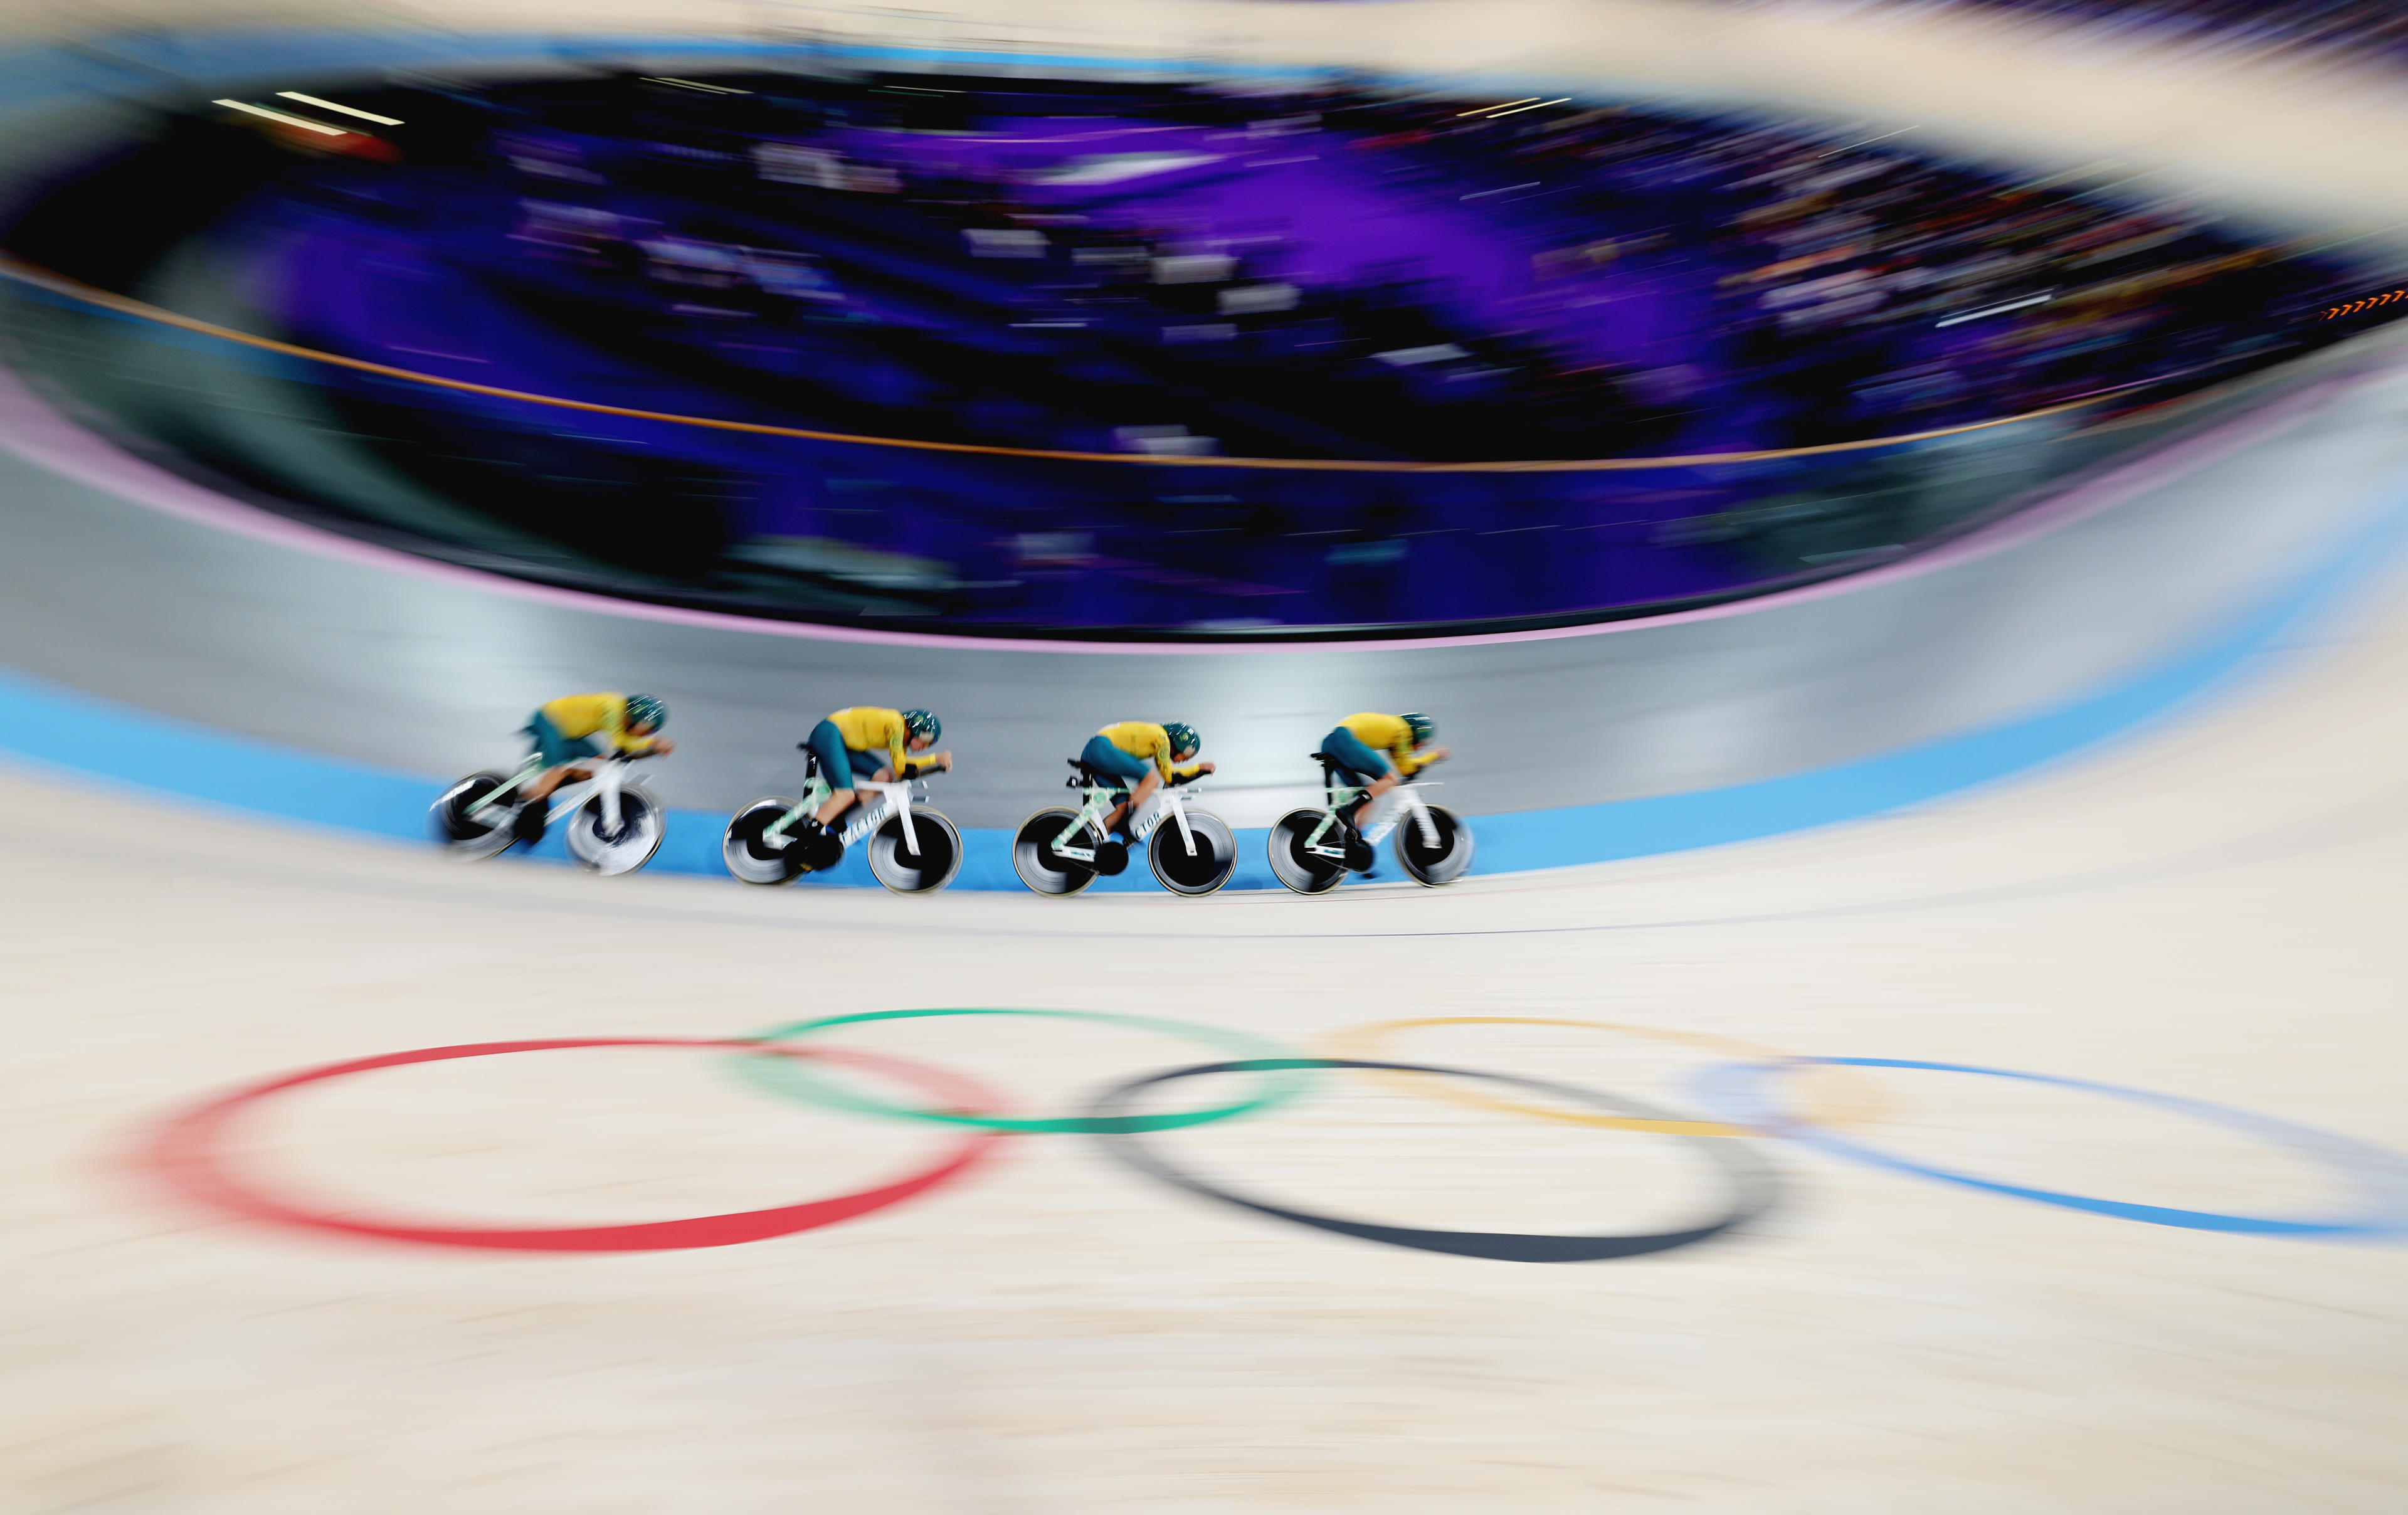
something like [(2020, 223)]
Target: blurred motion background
[(1273, 354)]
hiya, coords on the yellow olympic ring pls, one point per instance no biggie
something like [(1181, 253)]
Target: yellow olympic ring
[(1856, 1105)]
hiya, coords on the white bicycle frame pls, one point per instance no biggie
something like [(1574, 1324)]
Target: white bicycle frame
[(894, 799), (1407, 799), (610, 777), (1169, 802)]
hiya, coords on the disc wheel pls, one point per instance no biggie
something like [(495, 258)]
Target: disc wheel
[(1439, 865), (480, 836), (1042, 869), (1291, 864), (1201, 871), (756, 857), (921, 870), (610, 852)]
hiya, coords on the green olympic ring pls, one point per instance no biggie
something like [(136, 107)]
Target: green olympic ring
[(793, 1080)]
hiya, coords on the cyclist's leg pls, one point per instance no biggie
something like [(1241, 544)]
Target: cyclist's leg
[(1099, 753), (1361, 766), (557, 753), (827, 745)]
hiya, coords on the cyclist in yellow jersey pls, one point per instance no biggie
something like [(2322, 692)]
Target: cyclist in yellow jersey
[(1379, 752), (1148, 753), (851, 743), (565, 730)]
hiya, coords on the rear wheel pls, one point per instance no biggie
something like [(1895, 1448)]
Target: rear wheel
[(480, 835), (1201, 871), (1305, 872), (1040, 867), (1438, 862), (921, 870), (755, 856), (613, 851)]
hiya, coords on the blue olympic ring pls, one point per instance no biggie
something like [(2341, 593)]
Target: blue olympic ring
[(1737, 1091)]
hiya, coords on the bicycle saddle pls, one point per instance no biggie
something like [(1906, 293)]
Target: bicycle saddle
[(1089, 774)]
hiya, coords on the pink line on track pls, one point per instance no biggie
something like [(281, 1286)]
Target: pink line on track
[(30, 427)]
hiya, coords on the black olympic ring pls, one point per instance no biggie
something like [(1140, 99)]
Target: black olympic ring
[(1754, 1181)]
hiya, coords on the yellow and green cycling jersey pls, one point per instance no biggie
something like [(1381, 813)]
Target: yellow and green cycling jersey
[(866, 728), (575, 716), (1387, 734), (1144, 740)]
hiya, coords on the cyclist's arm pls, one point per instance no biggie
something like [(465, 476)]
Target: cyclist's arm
[(1173, 772)]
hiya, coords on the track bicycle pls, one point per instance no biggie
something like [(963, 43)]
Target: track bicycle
[(1311, 850), (611, 823), (912, 850), (1061, 852)]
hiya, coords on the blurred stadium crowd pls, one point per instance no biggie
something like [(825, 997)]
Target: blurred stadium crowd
[(1330, 275), (1338, 272)]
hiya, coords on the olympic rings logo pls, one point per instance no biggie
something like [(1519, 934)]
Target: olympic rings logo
[(191, 1151)]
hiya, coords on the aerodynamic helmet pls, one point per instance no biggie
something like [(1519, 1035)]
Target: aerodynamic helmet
[(1422, 726), (921, 723), (646, 710), (1183, 737)]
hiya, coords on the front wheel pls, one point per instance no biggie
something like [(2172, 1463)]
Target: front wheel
[(755, 856), (610, 852), (1200, 871), (1438, 861), (921, 870), (1305, 872), (1040, 867), (486, 834)]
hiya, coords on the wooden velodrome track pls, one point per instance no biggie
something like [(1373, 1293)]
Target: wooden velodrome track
[(2207, 910)]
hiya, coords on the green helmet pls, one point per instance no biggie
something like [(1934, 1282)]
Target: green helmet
[(1183, 737), (646, 710), (1422, 726), (921, 723)]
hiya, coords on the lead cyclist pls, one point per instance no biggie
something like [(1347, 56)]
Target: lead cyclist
[(1379, 752)]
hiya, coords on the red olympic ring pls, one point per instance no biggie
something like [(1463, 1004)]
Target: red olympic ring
[(187, 1152)]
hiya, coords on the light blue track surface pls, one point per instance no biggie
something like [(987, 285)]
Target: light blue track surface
[(70, 731)]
